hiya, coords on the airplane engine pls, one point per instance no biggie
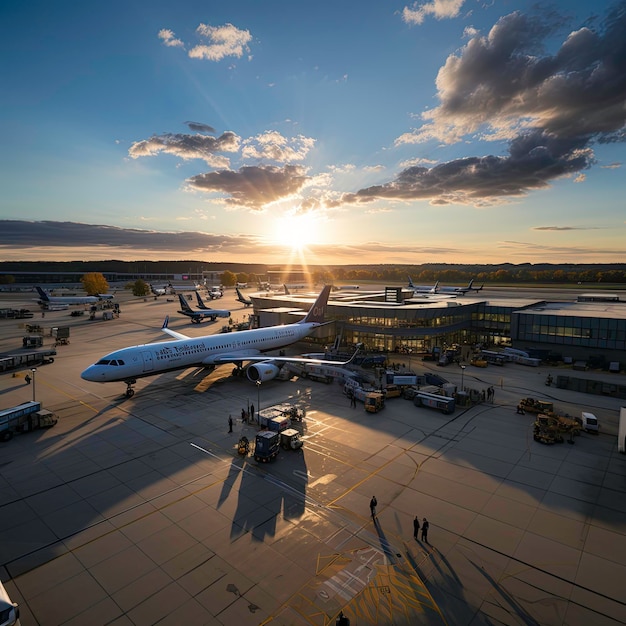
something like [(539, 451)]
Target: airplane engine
[(263, 371)]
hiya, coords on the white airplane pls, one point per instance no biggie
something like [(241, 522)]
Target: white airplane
[(158, 291), (242, 285), (215, 292), (241, 298), (423, 288), (47, 300), (460, 290), (197, 315), (209, 351)]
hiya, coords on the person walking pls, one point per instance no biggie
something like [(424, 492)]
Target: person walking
[(425, 526), (353, 400), (252, 412), (416, 527), (243, 416), (492, 393), (27, 379), (230, 424), (373, 505)]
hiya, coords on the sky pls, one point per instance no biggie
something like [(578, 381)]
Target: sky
[(449, 131)]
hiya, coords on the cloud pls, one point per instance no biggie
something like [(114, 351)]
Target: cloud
[(111, 239), (252, 186), (500, 83), (200, 127), (439, 9), (274, 146), (168, 38), (554, 228), (224, 41), (534, 160), (188, 147)]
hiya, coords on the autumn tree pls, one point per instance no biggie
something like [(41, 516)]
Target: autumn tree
[(94, 283), (229, 279), (140, 288)]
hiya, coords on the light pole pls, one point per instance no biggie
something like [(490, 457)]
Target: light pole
[(33, 372), (462, 374), (258, 400)]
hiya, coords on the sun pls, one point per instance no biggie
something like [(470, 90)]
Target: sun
[(297, 231)]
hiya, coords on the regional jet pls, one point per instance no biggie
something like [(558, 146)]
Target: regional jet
[(241, 298), (209, 351), (197, 315), (46, 300), (423, 288), (460, 290)]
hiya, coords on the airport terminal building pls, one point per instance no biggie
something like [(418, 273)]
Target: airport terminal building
[(591, 331)]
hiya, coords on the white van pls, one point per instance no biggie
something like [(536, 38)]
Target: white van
[(589, 422), (9, 613)]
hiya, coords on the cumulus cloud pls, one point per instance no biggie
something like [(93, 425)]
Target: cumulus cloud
[(188, 147), (439, 9), (252, 187), (169, 39), (274, 146), (224, 41), (534, 160)]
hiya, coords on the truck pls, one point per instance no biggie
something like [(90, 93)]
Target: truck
[(266, 446), (589, 422), (24, 418), (290, 439), (61, 335), (443, 403)]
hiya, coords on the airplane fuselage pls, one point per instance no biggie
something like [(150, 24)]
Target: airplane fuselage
[(147, 360)]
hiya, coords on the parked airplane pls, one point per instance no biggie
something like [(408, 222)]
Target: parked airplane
[(215, 292), (209, 351), (46, 300), (423, 288), (460, 290), (242, 285), (197, 315), (241, 298), (158, 291)]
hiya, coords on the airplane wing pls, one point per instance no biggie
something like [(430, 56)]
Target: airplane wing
[(171, 332)]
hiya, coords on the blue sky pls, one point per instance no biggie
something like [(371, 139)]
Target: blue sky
[(327, 133)]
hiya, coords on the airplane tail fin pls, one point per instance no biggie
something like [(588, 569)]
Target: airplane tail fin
[(199, 299), (286, 290), (436, 287), (166, 321), (240, 296), (43, 294), (471, 282), (318, 310), (411, 285), (183, 303)]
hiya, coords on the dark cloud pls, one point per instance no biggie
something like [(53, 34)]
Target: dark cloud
[(556, 228), (252, 186), (534, 159), (200, 127), (188, 147), (552, 108), (21, 233)]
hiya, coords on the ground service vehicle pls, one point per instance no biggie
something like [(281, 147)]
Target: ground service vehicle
[(589, 422), (243, 447), (374, 401), (266, 446), (443, 403), (24, 418), (392, 391), (530, 405), (290, 439)]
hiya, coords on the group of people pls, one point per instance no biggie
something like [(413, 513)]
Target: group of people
[(416, 523), (244, 418)]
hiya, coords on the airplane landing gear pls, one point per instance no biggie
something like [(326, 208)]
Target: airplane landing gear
[(130, 392)]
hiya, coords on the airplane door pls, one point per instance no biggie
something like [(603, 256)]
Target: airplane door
[(147, 361)]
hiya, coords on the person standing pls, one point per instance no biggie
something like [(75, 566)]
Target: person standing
[(230, 424), (416, 527), (252, 412), (353, 400), (373, 505), (243, 416), (425, 526), (27, 379)]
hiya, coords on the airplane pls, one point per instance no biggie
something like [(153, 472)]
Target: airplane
[(197, 315), (158, 291), (46, 300), (208, 351), (423, 288), (461, 290), (241, 298), (215, 292), (202, 304), (242, 285)]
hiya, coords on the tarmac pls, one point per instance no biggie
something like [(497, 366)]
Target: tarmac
[(140, 511)]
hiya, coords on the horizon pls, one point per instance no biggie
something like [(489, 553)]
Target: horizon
[(436, 132)]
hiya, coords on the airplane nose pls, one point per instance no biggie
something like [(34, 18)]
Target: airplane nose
[(91, 374)]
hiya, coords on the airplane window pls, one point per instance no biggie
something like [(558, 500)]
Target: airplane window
[(120, 362), (103, 362), (113, 362)]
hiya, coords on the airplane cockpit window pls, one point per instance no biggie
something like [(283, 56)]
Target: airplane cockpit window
[(113, 362), (120, 362), (103, 362)]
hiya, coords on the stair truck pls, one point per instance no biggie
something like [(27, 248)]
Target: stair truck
[(24, 418), (266, 446)]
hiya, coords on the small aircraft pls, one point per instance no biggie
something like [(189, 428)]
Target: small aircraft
[(158, 291), (209, 351), (197, 315), (423, 288), (215, 292), (241, 298), (46, 300)]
